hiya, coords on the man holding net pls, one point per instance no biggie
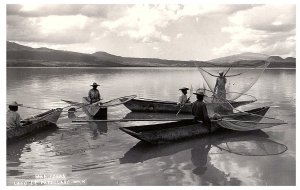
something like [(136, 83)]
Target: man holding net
[(219, 90)]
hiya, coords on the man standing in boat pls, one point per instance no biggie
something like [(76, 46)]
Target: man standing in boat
[(183, 99), (219, 90), (94, 94), (199, 109), (13, 118)]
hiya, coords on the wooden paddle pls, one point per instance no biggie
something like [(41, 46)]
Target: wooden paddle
[(126, 120), (109, 103)]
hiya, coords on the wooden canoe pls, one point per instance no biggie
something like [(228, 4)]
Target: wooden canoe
[(148, 105), (172, 131), (43, 121)]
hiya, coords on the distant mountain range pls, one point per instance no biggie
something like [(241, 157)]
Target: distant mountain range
[(24, 56)]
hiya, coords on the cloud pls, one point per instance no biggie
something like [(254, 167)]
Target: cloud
[(62, 30), (143, 23), (268, 29), (44, 10), (179, 35)]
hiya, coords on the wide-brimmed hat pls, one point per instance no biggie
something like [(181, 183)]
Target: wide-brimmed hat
[(14, 103), (199, 92), (95, 84), (184, 88)]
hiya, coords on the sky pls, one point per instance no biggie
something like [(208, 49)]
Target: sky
[(167, 31)]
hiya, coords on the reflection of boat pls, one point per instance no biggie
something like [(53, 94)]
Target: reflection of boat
[(46, 120), (144, 151), (148, 105), (172, 131)]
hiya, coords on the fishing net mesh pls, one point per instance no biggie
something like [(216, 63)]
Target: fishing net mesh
[(256, 147), (259, 122), (234, 88)]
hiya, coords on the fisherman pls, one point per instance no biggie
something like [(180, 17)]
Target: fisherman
[(199, 109), (183, 99), (94, 95), (13, 118), (219, 90)]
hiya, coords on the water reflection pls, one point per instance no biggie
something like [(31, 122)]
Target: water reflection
[(15, 150), (200, 150), (98, 128)]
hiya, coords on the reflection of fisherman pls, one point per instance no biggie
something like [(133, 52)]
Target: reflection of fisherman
[(199, 109), (199, 158), (98, 129), (183, 99), (94, 95), (219, 90)]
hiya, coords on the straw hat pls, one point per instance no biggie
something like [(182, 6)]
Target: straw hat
[(95, 84), (14, 103), (199, 92), (184, 88)]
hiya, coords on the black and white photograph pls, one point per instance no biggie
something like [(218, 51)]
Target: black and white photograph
[(150, 94)]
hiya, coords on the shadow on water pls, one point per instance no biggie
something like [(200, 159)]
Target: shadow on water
[(200, 150)]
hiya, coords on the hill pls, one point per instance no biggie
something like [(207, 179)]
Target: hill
[(240, 57), (24, 56), (246, 59)]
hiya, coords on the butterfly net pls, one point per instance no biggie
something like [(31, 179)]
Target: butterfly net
[(257, 146), (249, 73)]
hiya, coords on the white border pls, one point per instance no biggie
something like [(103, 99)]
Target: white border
[(3, 85)]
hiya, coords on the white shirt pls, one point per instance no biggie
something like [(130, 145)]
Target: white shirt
[(182, 99), (13, 119)]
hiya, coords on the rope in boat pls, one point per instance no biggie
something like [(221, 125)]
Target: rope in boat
[(35, 108)]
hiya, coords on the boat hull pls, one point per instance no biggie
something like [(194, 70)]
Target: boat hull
[(44, 121), (173, 131), (148, 105)]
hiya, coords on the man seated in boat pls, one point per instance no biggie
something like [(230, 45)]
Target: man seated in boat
[(94, 94), (183, 99), (199, 109), (13, 118)]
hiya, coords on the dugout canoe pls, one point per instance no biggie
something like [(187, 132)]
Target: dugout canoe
[(149, 105), (40, 122), (173, 131)]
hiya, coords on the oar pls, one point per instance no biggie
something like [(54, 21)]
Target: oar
[(126, 120), (105, 104)]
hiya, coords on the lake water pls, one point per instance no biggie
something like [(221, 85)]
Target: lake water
[(101, 154)]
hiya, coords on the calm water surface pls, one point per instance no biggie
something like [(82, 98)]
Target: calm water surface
[(101, 154)]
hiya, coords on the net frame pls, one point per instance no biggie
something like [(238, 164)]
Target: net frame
[(257, 70)]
